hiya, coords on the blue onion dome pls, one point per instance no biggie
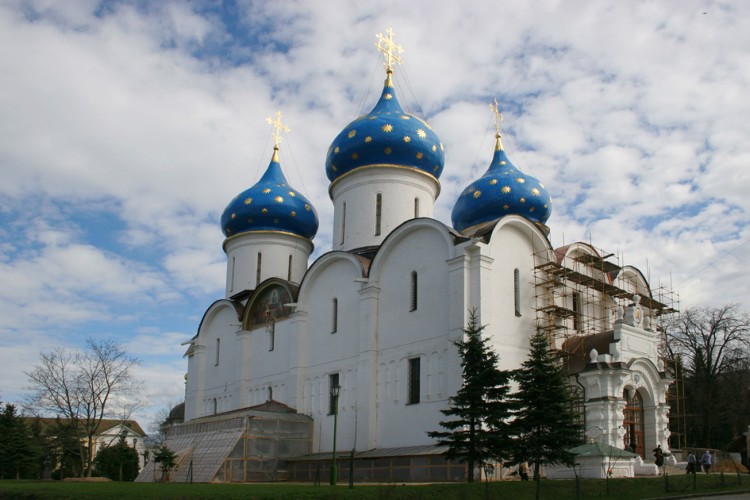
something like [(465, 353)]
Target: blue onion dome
[(502, 190), (270, 205), (387, 136)]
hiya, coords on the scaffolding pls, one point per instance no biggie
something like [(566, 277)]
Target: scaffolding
[(579, 292)]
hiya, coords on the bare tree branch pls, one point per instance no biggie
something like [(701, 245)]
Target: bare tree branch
[(84, 387)]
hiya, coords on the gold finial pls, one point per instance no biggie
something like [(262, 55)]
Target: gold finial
[(390, 50), (498, 118), (278, 128)]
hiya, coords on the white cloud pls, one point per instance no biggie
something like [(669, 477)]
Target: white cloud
[(632, 114)]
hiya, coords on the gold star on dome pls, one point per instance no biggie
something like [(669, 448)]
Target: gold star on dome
[(355, 156), (333, 167), (502, 162), (373, 117), (267, 190), (535, 192), (336, 151), (434, 148), (234, 215), (506, 207), (421, 133), (368, 139), (441, 147), (419, 156), (531, 209), (307, 207), (493, 182), (405, 117), (387, 151), (388, 97), (477, 194), (351, 134), (505, 189), (387, 128), (279, 199), (436, 168), (293, 213), (292, 194), (407, 138), (520, 180), (248, 201), (522, 200), (264, 211)]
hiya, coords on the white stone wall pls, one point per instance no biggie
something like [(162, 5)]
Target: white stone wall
[(275, 249), (399, 188)]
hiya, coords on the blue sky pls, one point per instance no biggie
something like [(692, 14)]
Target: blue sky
[(127, 127)]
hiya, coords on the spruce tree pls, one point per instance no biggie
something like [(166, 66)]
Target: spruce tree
[(545, 426), (479, 431)]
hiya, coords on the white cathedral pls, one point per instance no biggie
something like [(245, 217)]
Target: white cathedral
[(375, 317)]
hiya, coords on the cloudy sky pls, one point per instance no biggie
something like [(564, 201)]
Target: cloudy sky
[(127, 127)]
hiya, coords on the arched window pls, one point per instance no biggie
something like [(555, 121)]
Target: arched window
[(577, 309), (414, 379), (413, 291), (378, 212), (577, 408), (218, 350), (633, 422), (334, 315), (416, 207), (271, 335), (257, 269), (289, 270), (517, 291), (343, 222)]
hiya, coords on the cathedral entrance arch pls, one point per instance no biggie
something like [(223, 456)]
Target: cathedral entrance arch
[(633, 422)]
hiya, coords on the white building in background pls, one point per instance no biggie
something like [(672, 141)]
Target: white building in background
[(377, 314)]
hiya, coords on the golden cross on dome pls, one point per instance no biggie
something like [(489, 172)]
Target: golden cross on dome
[(278, 128), (498, 118), (390, 50)]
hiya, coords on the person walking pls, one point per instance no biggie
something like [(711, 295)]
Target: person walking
[(523, 471), (658, 456), (690, 463), (706, 461)]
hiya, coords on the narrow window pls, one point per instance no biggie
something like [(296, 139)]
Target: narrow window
[(517, 292), (333, 381), (257, 270), (343, 223), (289, 270), (270, 393), (231, 276), (218, 350), (577, 311), (413, 397), (413, 291), (334, 315), (271, 335), (378, 212), (416, 207), (216, 406)]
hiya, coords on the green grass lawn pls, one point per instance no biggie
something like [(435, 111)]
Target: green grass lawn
[(626, 489)]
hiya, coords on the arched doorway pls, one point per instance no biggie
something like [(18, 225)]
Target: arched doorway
[(633, 423)]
